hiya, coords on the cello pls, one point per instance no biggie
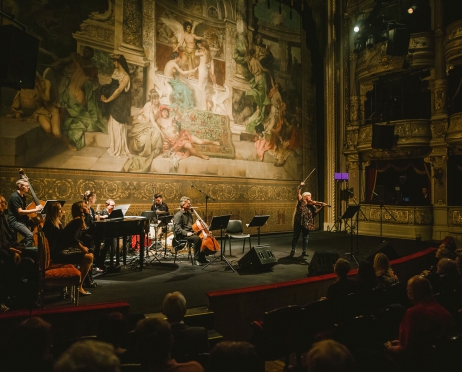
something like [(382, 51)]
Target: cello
[(209, 244), (36, 218)]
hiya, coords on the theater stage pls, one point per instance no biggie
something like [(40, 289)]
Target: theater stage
[(145, 290)]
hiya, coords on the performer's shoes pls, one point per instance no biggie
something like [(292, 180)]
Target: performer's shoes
[(198, 263), (292, 253), (304, 254), (3, 308), (84, 293)]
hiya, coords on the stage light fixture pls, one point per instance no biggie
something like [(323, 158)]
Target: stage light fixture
[(412, 9), (356, 28)]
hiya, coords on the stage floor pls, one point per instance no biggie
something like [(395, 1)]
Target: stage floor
[(144, 290)]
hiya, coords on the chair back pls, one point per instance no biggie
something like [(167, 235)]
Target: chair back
[(234, 227), (43, 252)]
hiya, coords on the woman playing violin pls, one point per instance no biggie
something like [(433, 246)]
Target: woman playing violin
[(304, 218)]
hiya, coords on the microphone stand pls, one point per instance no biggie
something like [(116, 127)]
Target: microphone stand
[(381, 213), (207, 197), (357, 223)]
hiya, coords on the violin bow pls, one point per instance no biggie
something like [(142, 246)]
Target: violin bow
[(309, 175)]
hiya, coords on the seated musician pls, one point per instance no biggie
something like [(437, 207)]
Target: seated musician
[(90, 238), (182, 223), (17, 212), (65, 246), (108, 243), (161, 209), (14, 267)]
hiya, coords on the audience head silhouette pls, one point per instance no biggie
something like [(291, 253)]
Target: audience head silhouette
[(174, 307), (330, 356), (230, 356), (341, 268), (88, 355)]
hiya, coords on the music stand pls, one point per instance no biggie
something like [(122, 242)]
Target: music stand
[(349, 213), (151, 215), (48, 202), (258, 221), (220, 223)]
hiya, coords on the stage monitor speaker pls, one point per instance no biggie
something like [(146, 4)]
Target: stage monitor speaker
[(18, 59), (383, 136), (398, 42), (259, 257), (386, 248), (322, 263)]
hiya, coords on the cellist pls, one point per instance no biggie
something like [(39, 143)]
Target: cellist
[(17, 212), (182, 223)]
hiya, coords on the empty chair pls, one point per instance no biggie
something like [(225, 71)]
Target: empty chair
[(235, 230)]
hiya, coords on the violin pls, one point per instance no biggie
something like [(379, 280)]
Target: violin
[(318, 203), (209, 244)]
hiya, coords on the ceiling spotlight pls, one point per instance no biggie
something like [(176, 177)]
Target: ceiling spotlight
[(356, 28), (412, 9)]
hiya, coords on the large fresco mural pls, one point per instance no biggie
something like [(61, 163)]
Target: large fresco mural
[(173, 87)]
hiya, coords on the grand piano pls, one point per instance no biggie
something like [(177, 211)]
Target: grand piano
[(123, 226)]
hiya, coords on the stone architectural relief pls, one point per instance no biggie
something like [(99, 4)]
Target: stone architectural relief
[(439, 129), (132, 25)]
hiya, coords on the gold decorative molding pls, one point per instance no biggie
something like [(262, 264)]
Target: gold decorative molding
[(453, 43)]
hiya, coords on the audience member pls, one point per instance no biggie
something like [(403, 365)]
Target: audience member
[(154, 341), (385, 275), (366, 278), (30, 347), (330, 356), (447, 276), (343, 285), (440, 253), (88, 356), (113, 329), (230, 356), (188, 342), (424, 324)]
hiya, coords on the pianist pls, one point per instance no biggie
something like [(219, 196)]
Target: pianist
[(100, 259), (106, 212)]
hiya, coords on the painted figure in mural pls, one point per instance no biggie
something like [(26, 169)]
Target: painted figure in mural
[(263, 53), (279, 137), (188, 60), (38, 106), (179, 141), (241, 48), (144, 137), (116, 96), (206, 71), (79, 96), (257, 90), (182, 95)]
